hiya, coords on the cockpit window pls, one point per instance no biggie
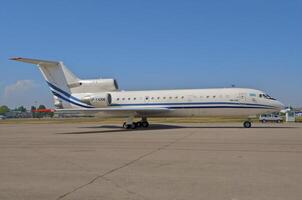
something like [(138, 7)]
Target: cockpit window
[(266, 96)]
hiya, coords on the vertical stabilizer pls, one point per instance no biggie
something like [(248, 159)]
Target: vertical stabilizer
[(59, 79)]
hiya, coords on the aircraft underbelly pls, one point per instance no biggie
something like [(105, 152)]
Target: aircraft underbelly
[(200, 112), (187, 112)]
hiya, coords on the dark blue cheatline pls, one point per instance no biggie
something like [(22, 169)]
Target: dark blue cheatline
[(72, 102), (198, 104), (188, 105)]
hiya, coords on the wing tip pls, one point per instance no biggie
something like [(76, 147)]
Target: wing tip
[(15, 58)]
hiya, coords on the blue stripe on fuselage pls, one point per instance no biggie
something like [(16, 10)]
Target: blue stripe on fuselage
[(184, 105), (193, 103), (63, 92), (68, 96), (190, 107), (178, 107), (66, 99)]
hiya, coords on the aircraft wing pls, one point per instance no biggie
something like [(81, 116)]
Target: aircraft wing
[(129, 110)]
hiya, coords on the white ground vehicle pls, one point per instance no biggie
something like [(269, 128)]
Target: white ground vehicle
[(270, 118)]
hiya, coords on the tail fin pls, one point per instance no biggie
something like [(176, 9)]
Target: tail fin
[(59, 78), (54, 72)]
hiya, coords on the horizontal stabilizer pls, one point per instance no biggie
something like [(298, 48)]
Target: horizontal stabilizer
[(57, 76), (35, 61)]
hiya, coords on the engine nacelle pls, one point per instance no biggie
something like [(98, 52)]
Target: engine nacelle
[(93, 86), (99, 100)]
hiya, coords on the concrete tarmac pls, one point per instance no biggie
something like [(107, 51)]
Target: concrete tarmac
[(174, 161)]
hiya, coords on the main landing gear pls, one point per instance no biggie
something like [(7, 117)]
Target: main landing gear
[(129, 124), (247, 124)]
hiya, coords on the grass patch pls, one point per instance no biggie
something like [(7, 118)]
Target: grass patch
[(299, 119)]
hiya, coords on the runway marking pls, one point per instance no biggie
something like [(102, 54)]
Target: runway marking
[(124, 165)]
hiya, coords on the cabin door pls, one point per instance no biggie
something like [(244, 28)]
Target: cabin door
[(242, 97)]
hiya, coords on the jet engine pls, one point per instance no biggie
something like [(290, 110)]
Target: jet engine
[(93, 85), (98, 100)]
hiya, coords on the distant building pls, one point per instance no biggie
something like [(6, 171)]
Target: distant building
[(18, 114)]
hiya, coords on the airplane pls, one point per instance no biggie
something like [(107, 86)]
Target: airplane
[(103, 98)]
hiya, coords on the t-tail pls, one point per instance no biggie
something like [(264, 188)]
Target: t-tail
[(65, 86)]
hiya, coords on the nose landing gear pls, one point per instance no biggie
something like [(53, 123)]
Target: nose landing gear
[(247, 124)]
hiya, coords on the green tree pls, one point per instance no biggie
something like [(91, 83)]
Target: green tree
[(32, 109), (4, 109), (41, 114), (21, 109), (42, 107)]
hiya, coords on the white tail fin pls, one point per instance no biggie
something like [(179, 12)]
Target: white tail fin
[(53, 71), (59, 78)]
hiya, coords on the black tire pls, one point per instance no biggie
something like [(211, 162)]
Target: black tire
[(139, 124), (247, 124), (134, 125), (128, 126), (145, 124)]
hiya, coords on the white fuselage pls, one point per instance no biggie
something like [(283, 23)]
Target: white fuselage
[(103, 98), (193, 102)]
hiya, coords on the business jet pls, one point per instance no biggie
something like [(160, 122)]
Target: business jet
[(102, 97)]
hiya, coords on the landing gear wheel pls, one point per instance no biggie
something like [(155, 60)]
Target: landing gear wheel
[(145, 124), (247, 124), (129, 126), (139, 124), (124, 125)]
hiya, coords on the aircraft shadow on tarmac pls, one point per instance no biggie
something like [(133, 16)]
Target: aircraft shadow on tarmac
[(117, 128)]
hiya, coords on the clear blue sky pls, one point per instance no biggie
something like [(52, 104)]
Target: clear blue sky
[(154, 45)]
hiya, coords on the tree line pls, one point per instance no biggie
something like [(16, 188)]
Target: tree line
[(4, 110)]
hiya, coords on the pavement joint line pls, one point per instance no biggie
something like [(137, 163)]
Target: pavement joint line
[(124, 165), (105, 178)]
